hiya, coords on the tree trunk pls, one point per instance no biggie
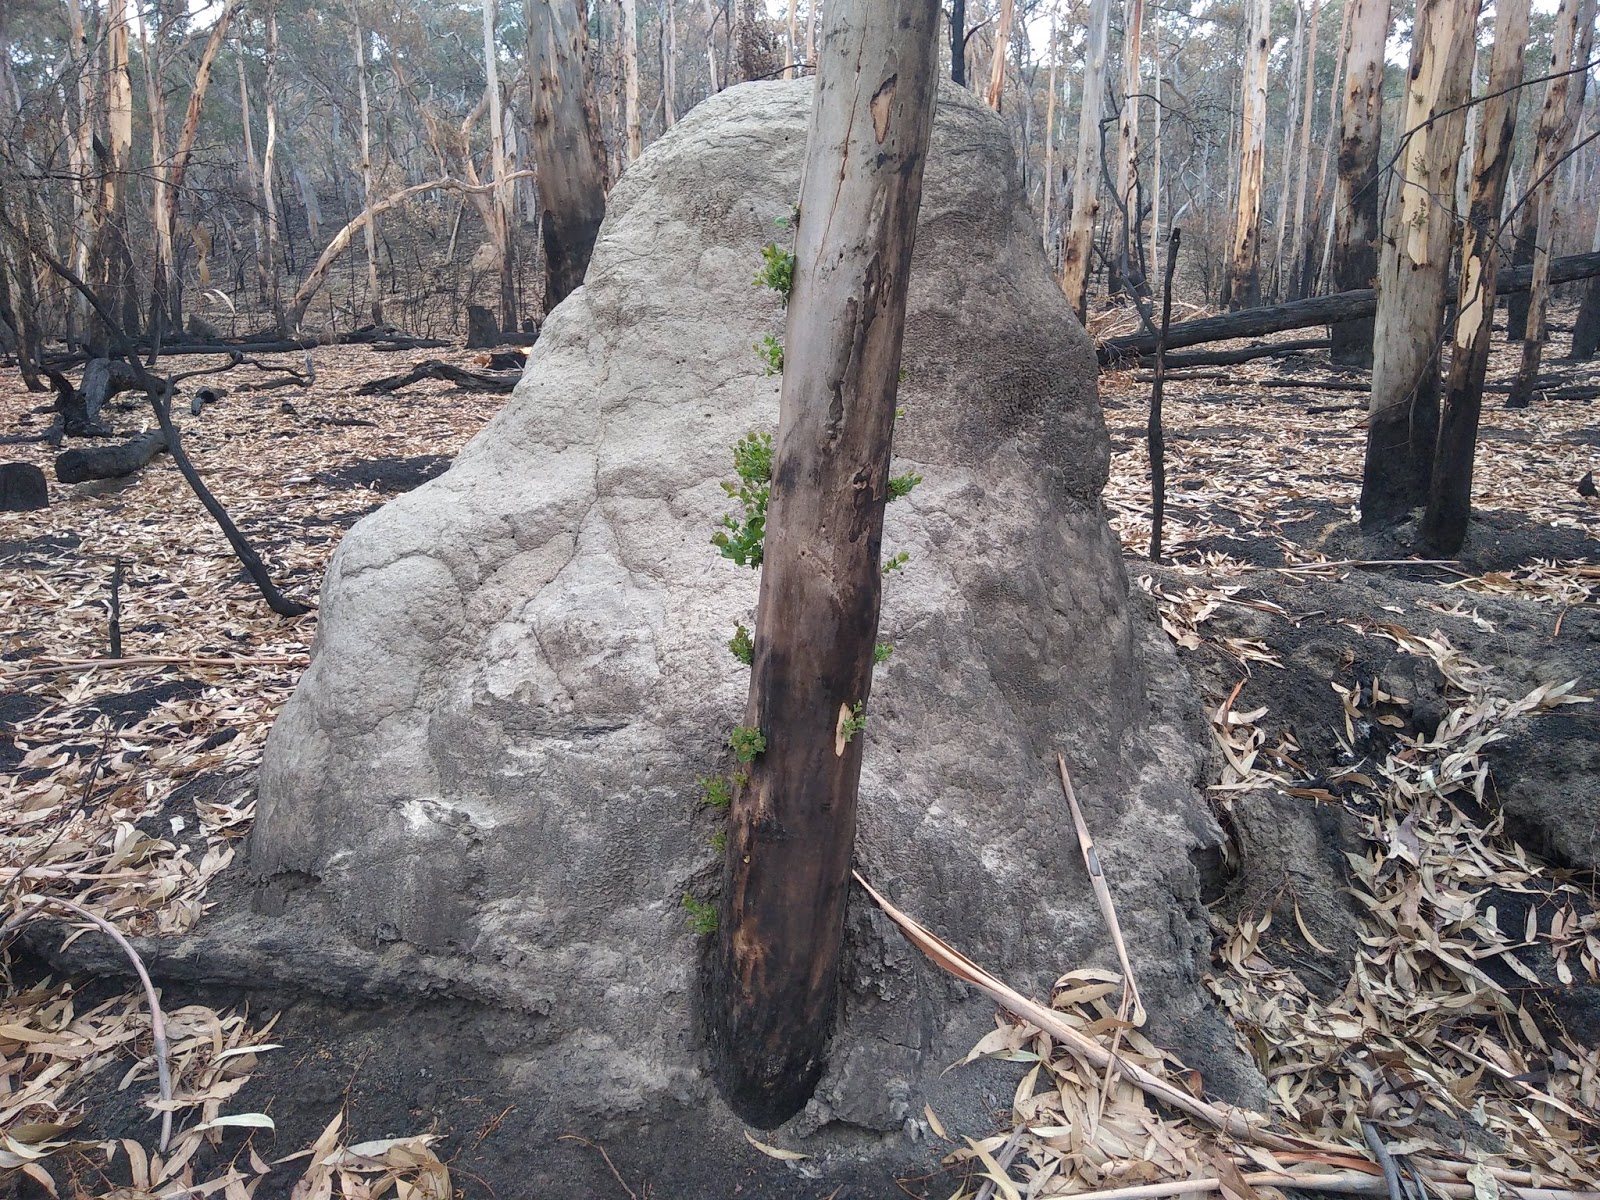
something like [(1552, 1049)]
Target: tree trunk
[(792, 44), (997, 62), (1127, 215), (1297, 236), (1075, 254), (1245, 266), (1049, 136), (110, 260), (160, 182), (571, 163), (1419, 223), (669, 65), (630, 78), (269, 189), (791, 827), (374, 293), (1444, 525), (1312, 266), (958, 41), (1563, 103), (500, 193), (254, 168), (1355, 195), (1297, 70), (1155, 158)]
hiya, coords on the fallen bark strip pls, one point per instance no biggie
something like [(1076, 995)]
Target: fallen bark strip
[(474, 381), (1318, 310), (109, 462), (40, 666)]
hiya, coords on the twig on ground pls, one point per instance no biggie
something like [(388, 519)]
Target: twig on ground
[(1391, 1173), (158, 1024), (53, 666), (611, 1166)]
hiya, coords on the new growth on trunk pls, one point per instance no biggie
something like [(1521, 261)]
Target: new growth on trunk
[(791, 826)]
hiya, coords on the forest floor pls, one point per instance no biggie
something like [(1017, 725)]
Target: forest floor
[(1327, 673)]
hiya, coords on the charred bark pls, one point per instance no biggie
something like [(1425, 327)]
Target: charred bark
[(109, 462)]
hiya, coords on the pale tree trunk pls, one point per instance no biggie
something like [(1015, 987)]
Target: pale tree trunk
[(1563, 103), (669, 65), (268, 161), (811, 31), (792, 45), (374, 293), (630, 78), (110, 261), (1079, 243), (1050, 133), (80, 155), (166, 267), (1245, 260), (500, 195), (1285, 171), (997, 63), (1297, 238), (1155, 158), (1323, 214), (791, 827), (1444, 524), (1355, 195), (715, 77), (253, 166), (1418, 229), (1128, 149), (571, 163)]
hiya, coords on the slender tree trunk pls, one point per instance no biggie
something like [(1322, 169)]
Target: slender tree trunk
[(1444, 525), (571, 163), (1050, 134), (1075, 254), (253, 166), (669, 65), (80, 152), (160, 181), (374, 292), (811, 30), (1245, 266), (791, 827), (1419, 223), (268, 183), (1286, 170), (1155, 159), (110, 260), (1127, 216), (1563, 103), (718, 81), (958, 41), (1355, 196), (630, 78), (1297, 240), (997, 62), (500, 196), (792, 45)]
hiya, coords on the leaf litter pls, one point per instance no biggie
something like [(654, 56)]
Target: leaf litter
[(118, 793)]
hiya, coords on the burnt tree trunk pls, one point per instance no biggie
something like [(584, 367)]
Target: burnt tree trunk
[(1355, 196), (1413, 259), (1444, 525), (566, 139), (791, 827)]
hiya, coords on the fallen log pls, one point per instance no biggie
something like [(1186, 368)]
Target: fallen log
[(1230, 358), (1318, 310), (109, 462), (472, 381)]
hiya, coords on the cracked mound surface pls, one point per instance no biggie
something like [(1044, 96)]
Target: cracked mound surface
[(486, 781)]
